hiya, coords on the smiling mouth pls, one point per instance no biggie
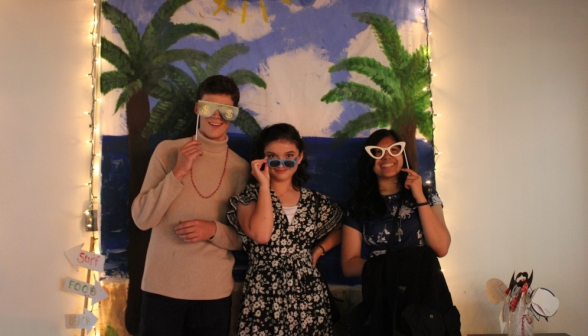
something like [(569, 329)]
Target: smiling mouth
[(388, 165), (215, 124)]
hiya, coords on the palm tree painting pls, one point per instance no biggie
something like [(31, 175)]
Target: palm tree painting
[(402, 103), (292, 65), (147, 70)]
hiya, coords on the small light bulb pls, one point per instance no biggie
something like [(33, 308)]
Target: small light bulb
[(434, 75), (428, 182), (423, 21), (436, 114), (431, 99), (86, 112), (430, 33), (425, 89), (443, 270)]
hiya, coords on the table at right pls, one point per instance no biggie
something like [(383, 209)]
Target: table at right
[(537, 334)]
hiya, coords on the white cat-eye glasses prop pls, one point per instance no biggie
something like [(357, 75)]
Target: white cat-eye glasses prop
[(394, 149)]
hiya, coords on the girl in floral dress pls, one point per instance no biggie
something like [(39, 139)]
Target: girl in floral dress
[(285, 228)]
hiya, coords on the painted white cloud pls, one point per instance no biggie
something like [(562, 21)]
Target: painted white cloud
[(226, 23), (296, 81), (323, 3), (317, 4)]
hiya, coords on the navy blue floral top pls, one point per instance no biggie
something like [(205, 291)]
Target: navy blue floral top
[(377, 231)]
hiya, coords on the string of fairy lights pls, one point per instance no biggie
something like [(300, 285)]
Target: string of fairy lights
[(91, 212), (425, 22)]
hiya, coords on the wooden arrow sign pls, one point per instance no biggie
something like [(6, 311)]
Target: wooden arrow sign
[(86, 321), (95, 292), (78, 257)]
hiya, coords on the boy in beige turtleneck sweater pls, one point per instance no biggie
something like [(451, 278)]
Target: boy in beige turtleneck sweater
[(188, 281)]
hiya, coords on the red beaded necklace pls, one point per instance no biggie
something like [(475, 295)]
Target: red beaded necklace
[(219, 182)]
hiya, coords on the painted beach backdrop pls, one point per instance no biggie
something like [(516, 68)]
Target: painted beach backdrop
[(335, 69)]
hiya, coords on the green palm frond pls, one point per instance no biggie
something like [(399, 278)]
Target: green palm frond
[(422, 100), (358, 93), (388, 37), (174, 32), (418, 65), (111, 80), (125, 27), (381, 75), (164, 90), (159, 115), (174, 55), (116, 56), (424, 120), (126, 94), (184, 82), (247, 77), (197, 70), (158, 22), (247, 123), (181, 115), (222, 56), (364, 122)]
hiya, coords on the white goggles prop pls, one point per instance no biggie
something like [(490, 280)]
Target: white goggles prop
[(207, 109), (395, 149)]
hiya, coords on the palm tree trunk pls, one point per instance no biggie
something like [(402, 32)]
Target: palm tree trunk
[(137, 118), (408, 133)]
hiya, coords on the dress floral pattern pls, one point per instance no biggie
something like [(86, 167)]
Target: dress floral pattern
[(377, 232), (283, 294)]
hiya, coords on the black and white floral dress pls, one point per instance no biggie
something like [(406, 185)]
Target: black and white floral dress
[(283, 294)]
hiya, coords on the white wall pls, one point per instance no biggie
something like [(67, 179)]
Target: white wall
[(511, 88), (45, 51), (511, 91)]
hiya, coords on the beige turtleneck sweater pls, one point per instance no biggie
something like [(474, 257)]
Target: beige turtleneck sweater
[(174, 268)]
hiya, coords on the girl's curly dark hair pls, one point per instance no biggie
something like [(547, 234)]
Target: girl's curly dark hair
[(367, 201)]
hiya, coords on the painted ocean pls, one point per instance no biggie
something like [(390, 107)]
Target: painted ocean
[(332, 170)]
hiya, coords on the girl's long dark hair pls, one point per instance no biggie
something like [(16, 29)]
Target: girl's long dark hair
[(367, 201), (286, 132)]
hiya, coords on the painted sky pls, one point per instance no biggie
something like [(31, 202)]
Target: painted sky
[(292, 52)]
